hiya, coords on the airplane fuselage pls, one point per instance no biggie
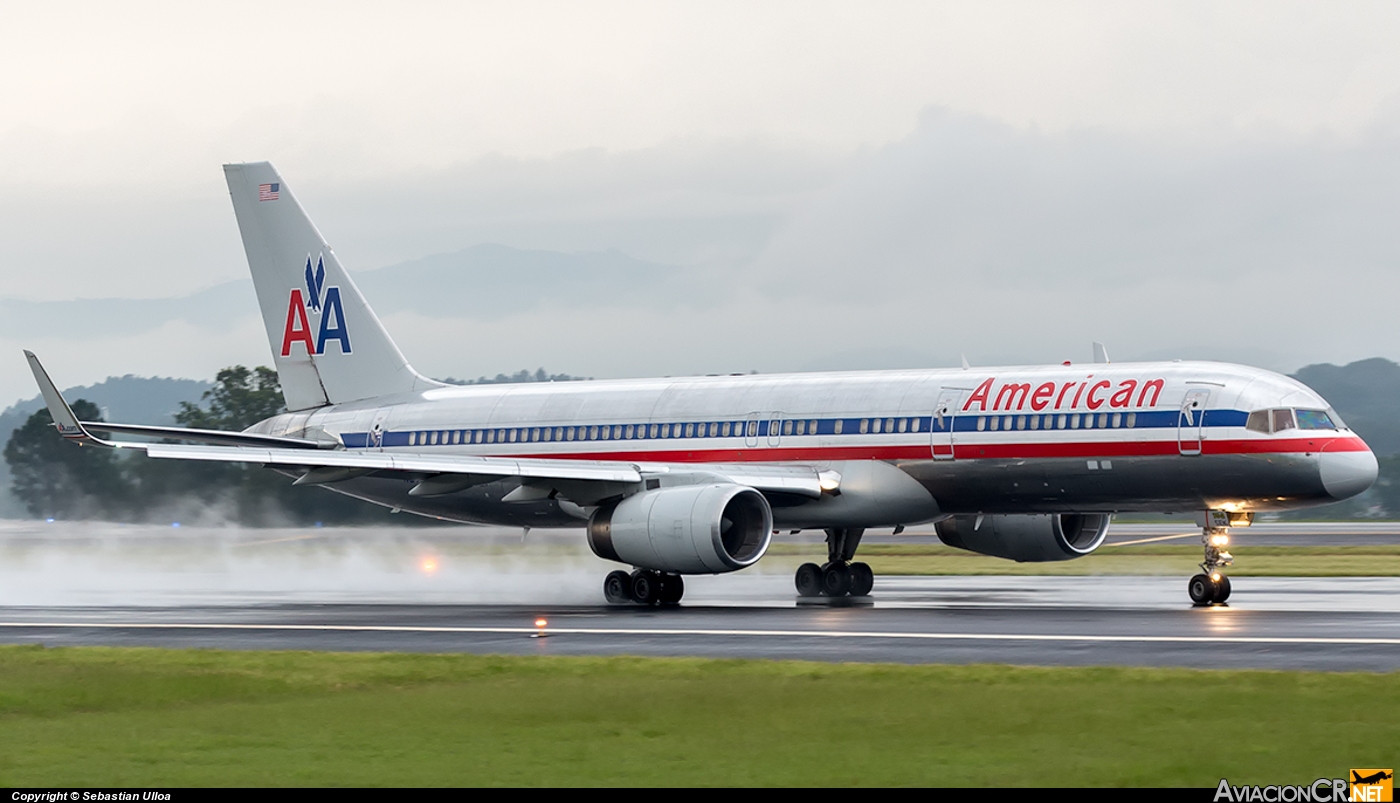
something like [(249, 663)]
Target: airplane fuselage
[(908, 446)]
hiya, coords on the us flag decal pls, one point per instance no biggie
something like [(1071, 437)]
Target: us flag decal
[(268, 192)]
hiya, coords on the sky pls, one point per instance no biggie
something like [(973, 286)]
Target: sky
[(836, 185)]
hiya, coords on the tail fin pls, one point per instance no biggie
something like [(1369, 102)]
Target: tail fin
[(326, 342)]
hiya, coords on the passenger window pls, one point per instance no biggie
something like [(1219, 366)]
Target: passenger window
[(1064, 421), (981, 423), (864, 425), (689, 430), (913, 425), (512, 435), (1035, 422), (724, 429), (1283, 419), (996, 423), (1020, 422), (840, 425), (889, 425), (1117, 420), (1132, 420), (1074, 421), (1103, 420)]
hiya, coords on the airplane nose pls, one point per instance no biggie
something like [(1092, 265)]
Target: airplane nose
[(1346, 474)]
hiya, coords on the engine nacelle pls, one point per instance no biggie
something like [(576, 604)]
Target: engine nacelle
[(1027, 538), (690, 529)]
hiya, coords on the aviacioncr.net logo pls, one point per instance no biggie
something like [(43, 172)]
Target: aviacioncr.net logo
[(319, 303)]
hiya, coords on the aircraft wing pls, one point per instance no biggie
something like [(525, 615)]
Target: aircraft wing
[(71, 428), (580, 480)]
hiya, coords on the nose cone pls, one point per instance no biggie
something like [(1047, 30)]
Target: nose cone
[(1346, 474)]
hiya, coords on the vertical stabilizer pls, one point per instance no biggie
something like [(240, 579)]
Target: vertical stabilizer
[(326, 342)]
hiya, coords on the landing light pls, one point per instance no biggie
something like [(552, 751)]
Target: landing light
[(540, 624), (1215, 577), (1219, 539), (429, 565)]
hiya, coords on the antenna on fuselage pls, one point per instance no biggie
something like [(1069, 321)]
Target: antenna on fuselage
[(1100, 353), (964, 359)]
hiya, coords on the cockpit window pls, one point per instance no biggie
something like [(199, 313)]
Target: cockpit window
[(1314, 419), (1283, 419), (1258, 421)]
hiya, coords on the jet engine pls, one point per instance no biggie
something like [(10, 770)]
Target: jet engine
[(689, 529), (1033, 538)]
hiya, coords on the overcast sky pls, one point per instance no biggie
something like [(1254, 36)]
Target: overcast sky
[(876, 184)]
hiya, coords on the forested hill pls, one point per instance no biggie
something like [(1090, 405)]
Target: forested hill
[(1367, 394)]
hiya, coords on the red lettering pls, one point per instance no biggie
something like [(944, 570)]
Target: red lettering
[(1009, 391), (1124, 395), (298, 329), (1094, 403), (1041, 398), (1061, 398), (1156, 386), (1077, 393), (979, 395)]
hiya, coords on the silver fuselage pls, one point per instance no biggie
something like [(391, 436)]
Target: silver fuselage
[(909, 446)]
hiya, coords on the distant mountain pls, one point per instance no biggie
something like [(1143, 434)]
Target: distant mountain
[(483, 282), (1366, 394)]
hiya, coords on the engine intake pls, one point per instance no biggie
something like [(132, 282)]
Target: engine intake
[(1035, 538), (690, 529)]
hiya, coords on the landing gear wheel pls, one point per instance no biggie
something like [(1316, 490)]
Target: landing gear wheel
[(1222, 589), (672, 589), (645, 587), (836, 579), (862, 579), (617, 588), (1201, 589), (809, 580)]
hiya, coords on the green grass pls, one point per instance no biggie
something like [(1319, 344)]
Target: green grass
[(134, 717), (1250, 561)]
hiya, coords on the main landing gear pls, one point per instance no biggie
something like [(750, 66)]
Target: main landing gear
[(1212, 587), (838, 577), (643, 587)]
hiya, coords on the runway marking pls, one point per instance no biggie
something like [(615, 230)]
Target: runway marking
[(278, 540), (622, 631)]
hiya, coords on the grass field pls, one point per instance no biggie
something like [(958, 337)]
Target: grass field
[(102, 716), (1260, 561)]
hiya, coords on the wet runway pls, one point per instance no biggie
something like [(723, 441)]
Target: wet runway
[(435, 590)]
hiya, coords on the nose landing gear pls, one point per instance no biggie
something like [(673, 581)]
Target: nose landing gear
[(839, 576), (1212, 587)]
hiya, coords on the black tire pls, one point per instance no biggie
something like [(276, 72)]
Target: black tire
[(836, 579), (672, 589), (617, 588), (809, 580), (1222, 589), (645, 587), (862, 579), (1201, 589)]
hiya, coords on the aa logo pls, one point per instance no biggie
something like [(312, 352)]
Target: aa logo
[(1373, 786), (320, 303)]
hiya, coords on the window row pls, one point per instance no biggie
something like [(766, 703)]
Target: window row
[(619, 432), (1061, 421)]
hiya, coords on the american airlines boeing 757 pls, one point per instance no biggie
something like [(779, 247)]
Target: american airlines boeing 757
[(694, 475)]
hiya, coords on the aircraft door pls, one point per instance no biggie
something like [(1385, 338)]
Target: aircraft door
[(751, 429), (941, 428), (775, 432), (1190, 422), (377, 428)]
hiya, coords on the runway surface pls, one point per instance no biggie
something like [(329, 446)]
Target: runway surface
[(434, 590)]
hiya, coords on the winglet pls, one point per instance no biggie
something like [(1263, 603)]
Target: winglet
[(64, 420)]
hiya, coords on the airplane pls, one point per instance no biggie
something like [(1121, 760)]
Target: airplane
[(694, 475), (1373, 778)]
